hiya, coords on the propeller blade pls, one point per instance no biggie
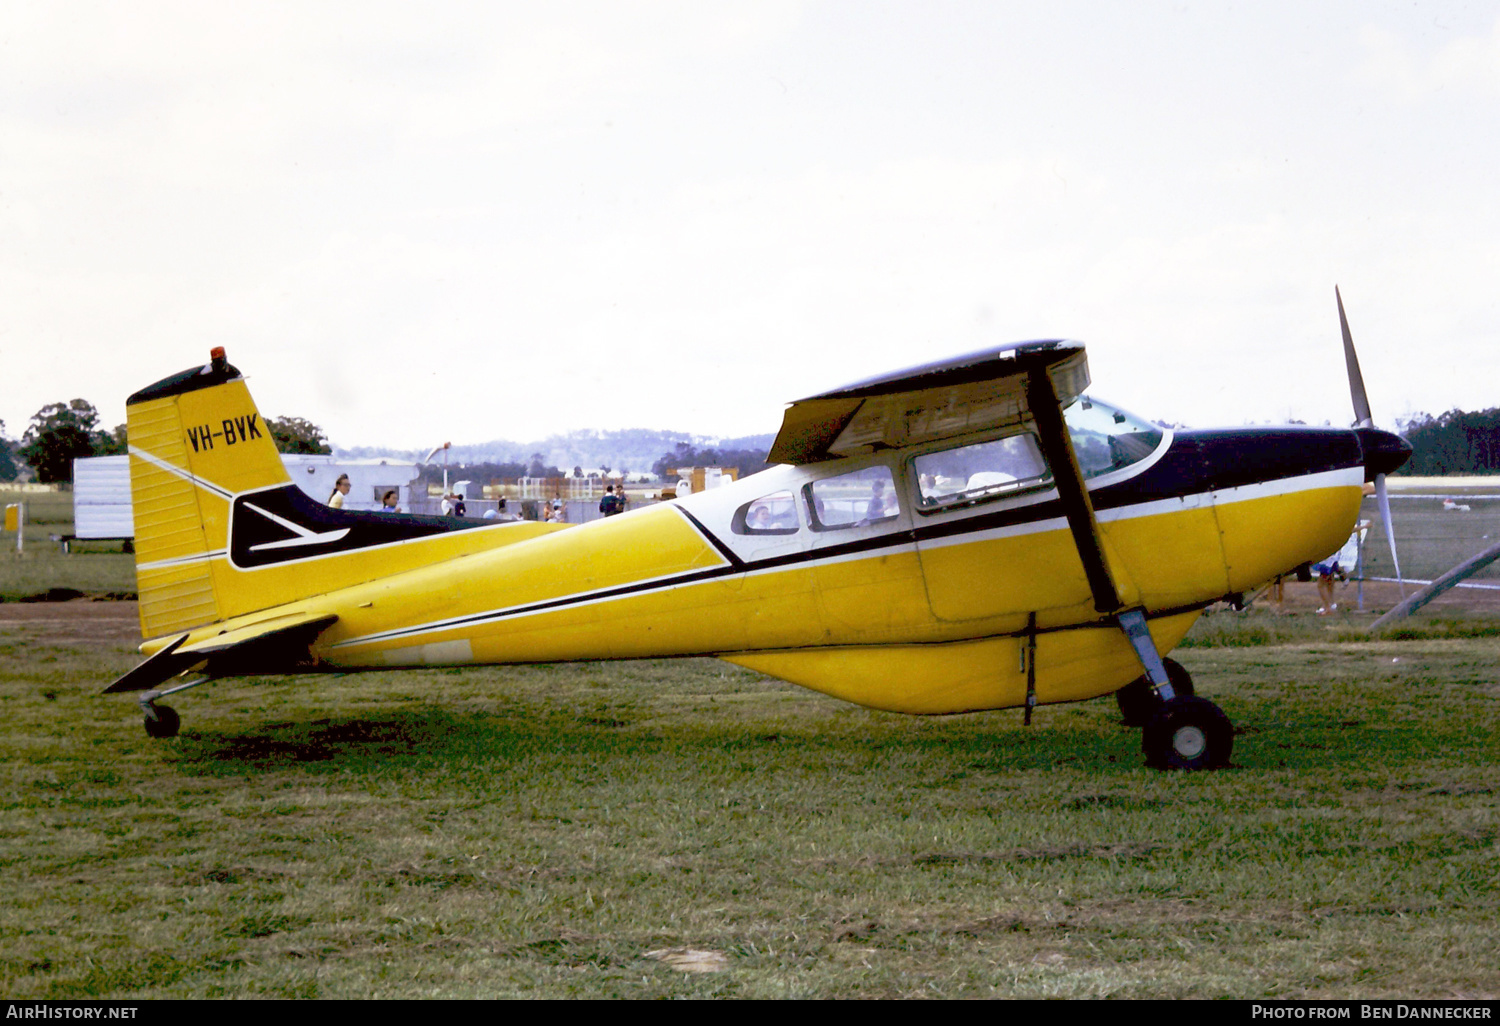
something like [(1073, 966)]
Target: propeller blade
[(1384, 499), (1356, 380)]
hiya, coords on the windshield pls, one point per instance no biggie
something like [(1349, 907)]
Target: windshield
[(1106, 438)]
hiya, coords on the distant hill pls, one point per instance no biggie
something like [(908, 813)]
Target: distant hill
[(633, 450)]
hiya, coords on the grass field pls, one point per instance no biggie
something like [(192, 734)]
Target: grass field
[(93, 568), (549, 831)]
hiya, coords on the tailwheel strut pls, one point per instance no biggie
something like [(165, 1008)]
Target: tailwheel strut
[(162, 721)]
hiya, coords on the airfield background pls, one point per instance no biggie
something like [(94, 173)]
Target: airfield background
[(1430, 539)]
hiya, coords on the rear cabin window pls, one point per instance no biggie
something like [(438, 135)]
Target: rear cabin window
[(853, 500), (984, 470), (770, 514)]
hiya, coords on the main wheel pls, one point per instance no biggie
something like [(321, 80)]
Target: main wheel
[(1188, 734), (166, 722), (1137, 700)]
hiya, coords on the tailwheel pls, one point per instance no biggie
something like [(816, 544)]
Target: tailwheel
[(1188, 734), (164, 723), (1138, 701)]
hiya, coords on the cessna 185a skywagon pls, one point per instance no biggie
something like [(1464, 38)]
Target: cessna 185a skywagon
[(971, 534)]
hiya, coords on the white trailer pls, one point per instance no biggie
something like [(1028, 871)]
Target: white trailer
[(101, 498)]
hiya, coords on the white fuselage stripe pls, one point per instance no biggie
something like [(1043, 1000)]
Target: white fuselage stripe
[(186, 475), (1351, 476), (200, 557)]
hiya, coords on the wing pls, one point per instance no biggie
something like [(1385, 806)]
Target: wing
[(924, 404)]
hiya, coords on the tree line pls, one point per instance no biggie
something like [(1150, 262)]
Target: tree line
[(62, 432), (491, 470), (747, 461), (1457, 442)]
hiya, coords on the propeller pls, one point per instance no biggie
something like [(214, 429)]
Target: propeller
[(1364, 420)]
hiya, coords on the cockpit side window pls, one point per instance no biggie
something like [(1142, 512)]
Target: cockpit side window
[(984, 470), (853, 500), (1106, 438), (774, 514)]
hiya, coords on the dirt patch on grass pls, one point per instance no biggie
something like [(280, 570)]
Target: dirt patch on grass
[(320, 740), (80, 621), (1005, 922), (1124, 850), (237, 875)]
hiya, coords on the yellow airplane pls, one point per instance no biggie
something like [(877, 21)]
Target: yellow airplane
[(972, 534)]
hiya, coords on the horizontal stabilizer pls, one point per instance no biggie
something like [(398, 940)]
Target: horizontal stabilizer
[(281, 645), (162, 666)]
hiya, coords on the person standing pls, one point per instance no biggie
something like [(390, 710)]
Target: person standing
[(340, 489), (1328, 570)]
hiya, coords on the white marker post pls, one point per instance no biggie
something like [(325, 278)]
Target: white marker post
[(15, 520)]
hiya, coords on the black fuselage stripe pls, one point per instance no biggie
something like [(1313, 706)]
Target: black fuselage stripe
[(713, 539), (495, 615)]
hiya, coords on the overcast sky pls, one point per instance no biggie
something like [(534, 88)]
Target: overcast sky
[(418, 222)]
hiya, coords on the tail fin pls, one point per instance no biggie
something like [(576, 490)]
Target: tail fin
[(196, 440)]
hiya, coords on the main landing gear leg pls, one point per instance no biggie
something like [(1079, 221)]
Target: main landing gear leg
[(1133, 623), (1182, 731), (1137, 700), (1186, 732)]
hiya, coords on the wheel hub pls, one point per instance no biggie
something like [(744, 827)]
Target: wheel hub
[(1189, 742)]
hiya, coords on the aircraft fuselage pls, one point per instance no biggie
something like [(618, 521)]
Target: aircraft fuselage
[(926, 608)]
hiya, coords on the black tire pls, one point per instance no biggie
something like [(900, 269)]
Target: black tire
[(166, 723), (1137, 700), (1188, 734)]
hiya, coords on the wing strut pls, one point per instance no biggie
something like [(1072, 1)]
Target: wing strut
[(1057, 447)]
